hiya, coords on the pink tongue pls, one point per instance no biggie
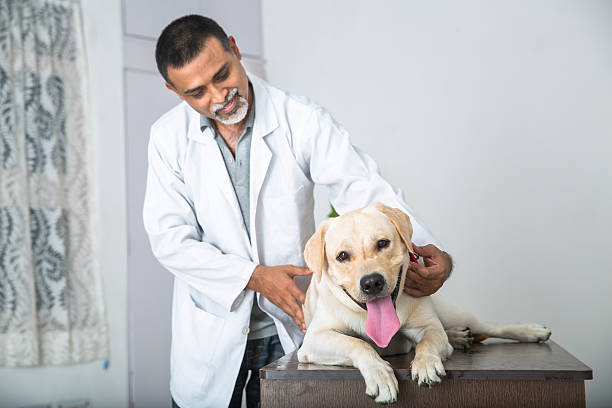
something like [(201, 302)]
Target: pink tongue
[(382, 322)]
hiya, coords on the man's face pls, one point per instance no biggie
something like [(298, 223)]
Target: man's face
[(214, 83)]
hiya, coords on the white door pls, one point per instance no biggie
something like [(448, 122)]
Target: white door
[(146, 98)]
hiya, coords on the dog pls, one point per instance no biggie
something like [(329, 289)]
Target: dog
[(355, 309)]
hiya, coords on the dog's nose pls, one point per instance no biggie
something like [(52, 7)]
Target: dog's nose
[(372, 284)]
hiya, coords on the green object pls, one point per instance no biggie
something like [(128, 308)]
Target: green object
[(333, 212)]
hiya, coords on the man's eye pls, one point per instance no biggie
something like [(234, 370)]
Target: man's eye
[(199, 94), (382, 243), (342, 256), (223, 76)]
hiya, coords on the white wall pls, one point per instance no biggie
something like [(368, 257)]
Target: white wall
[(495, 118), (102, 388)]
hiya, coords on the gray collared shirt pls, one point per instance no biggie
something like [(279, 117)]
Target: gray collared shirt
[(238, 169), (238, 166)]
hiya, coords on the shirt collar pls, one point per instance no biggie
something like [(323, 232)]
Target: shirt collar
[(208, 122)]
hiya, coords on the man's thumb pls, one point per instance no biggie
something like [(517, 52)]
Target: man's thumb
[(425, 250)]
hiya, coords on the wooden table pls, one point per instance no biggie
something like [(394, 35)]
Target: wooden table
[(494, 374)]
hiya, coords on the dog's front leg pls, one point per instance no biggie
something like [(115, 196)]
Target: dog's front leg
[(429, 353), (432, 346), (334, 348)]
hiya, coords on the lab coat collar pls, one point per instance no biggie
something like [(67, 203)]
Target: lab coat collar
[(266, 120)]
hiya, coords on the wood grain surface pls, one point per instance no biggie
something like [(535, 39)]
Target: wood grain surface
[(456, 394), (490, 360), (493, 374)]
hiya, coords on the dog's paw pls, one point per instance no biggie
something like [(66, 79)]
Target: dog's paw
[(381, 383), (427, 369), (460, 337), (533, 333)]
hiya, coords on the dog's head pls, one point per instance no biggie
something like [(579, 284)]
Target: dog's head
[(362, 251), (365, 253)]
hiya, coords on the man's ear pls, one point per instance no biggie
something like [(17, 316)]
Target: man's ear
[(314, 253), (402, 223), (234, 47), (173, 89)]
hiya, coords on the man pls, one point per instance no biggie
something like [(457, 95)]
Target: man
[(229, 207)]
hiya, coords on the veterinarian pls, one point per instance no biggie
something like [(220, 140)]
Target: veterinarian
[(229, 208)]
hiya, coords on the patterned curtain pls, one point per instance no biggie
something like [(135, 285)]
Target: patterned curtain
[(51, 301)]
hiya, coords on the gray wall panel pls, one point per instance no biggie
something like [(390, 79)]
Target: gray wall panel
[(240, 18)]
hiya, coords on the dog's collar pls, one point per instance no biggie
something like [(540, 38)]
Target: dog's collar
[(395, 291)]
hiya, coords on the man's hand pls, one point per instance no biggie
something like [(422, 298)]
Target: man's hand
[(426, 280), (276, 283)]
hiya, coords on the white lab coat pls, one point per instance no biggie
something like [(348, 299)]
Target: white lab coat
[(196, 231)]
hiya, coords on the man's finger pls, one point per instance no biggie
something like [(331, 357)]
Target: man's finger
[(294, 290), (298, 294), (299, 271), (419, 285), (427, 250), (293, 311), (298, 315), (414, 288), (429, 273), (429, 261), (417, 268), (413, 279), (414, 292), (420, 270)]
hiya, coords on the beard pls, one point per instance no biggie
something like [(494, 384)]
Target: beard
[(237, 114)]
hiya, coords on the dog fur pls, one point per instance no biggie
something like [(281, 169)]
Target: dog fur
[(344, 250)]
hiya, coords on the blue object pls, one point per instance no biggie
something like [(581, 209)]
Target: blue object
[(106, 364)]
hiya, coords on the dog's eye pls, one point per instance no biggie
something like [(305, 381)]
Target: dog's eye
[(342, 256), (382, 243)]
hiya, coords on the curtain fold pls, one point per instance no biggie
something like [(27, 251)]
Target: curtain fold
[(51, 300)]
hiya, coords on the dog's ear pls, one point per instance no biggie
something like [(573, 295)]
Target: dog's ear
[(402, 223), (314, 253)]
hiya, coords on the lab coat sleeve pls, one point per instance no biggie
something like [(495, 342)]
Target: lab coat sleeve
[(176, 237), (352, 176)]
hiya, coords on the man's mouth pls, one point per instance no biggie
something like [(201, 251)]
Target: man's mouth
[(231, 106), (394, 294)]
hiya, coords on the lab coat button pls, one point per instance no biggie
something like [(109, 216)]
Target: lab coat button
[(245, 330)]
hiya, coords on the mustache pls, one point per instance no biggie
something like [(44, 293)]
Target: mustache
[(228, 100)]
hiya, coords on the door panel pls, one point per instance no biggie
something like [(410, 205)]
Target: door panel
[(146, 99), (149, 284)]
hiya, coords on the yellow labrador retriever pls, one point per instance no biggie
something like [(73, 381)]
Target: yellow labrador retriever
[(356, 310)]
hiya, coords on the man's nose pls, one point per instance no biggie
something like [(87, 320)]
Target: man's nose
[(218, 94)]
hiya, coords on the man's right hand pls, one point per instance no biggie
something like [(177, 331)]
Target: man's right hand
[(276, 283)]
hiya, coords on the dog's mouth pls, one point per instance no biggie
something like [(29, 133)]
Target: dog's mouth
[(394, 294)]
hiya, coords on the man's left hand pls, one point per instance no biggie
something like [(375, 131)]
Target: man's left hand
[(426, 280)]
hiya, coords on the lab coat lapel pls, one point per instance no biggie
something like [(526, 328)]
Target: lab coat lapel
[(214, 167), (265, 123)]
